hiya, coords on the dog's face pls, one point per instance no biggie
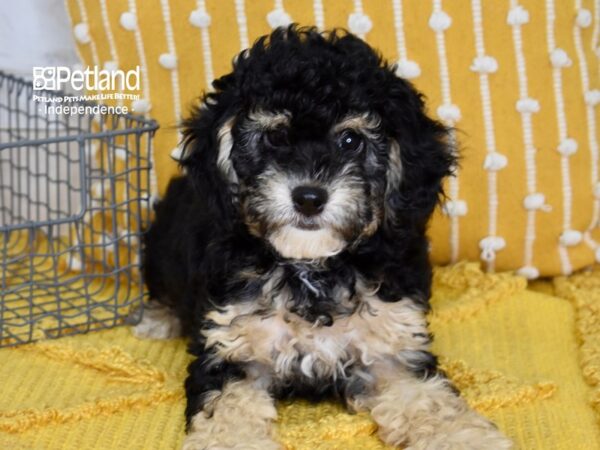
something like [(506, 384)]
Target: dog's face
[(317, 144), (309, 187)]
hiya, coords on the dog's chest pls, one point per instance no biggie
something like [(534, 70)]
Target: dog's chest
[(286, 343)]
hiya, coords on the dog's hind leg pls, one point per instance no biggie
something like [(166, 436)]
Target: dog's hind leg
[(239, 416), (158, 322), (427, 414)]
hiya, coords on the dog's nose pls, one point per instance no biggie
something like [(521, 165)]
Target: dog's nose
[(309, 200)]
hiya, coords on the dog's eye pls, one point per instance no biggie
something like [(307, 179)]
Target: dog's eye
[(277, 137), (350, 141)]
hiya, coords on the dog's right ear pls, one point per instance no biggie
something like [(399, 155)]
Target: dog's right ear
[(207, 144)]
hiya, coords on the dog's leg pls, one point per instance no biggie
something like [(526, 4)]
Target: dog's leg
[(427, 414), (158, 322), (239, 416)]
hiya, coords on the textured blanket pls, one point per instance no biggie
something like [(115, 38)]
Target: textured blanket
[(528, 357)]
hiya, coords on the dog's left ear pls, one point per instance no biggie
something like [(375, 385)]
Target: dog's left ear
[(419, 155), (207, 147)]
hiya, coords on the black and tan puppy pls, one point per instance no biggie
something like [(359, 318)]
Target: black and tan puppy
[(293, 251)]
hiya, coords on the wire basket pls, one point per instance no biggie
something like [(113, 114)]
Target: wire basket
[(74, 199)]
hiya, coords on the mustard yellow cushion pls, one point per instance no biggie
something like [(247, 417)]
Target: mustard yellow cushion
[(527, 360), (517, 78)]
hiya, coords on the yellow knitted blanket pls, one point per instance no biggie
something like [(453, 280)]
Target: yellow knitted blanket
[(527, 357)]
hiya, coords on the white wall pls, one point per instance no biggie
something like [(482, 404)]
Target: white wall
[(34, 33)]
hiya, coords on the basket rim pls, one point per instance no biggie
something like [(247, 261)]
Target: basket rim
[(79, 137)]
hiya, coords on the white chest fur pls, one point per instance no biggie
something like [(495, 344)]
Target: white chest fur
[(284, 342)]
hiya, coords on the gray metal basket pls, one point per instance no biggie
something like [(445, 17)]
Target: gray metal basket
[(74, 198)]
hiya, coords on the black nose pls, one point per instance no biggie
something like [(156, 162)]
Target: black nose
[(309, 200)]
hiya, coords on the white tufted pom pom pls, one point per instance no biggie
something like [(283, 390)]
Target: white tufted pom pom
[(199, 19), (105, 240), (121, 153), (570, 238), (584, 18), (177, 153), (455, 208), (597, 191), (140, 106), (529, 272), (528, 105), (82, 33), (597, 254), (145, 196), (359, 23), (126, 234), (592, 97), (559, 58), (168, 61), (517, 16), (111, 66), (567, 147), (489, 246), (98, 189), (440, 21), (128, 20), (407, 69), (534, 201), (494, 242), (153, 200), (74, 263), (484, 64), (495, 161), (449, 113), (278, 18)]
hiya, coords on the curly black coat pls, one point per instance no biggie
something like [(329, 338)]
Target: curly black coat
[(205, 234)]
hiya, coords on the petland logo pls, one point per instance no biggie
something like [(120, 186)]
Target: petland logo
[(101, 86), (90, 79)]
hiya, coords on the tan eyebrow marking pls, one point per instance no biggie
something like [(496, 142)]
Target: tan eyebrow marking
[(365, 123), (266, 120)]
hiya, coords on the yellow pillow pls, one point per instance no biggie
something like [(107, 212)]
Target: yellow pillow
[(517, 78)]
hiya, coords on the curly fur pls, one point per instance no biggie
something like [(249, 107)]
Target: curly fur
[(283, 304)]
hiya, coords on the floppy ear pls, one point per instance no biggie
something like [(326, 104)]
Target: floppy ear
[(419, 156), (207, 145)]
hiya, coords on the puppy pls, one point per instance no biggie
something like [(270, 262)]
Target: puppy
[(293, 251)]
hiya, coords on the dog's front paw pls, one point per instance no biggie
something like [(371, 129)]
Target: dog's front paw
[(158, 322), (200, 441), (241, 418), (469, 431)]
